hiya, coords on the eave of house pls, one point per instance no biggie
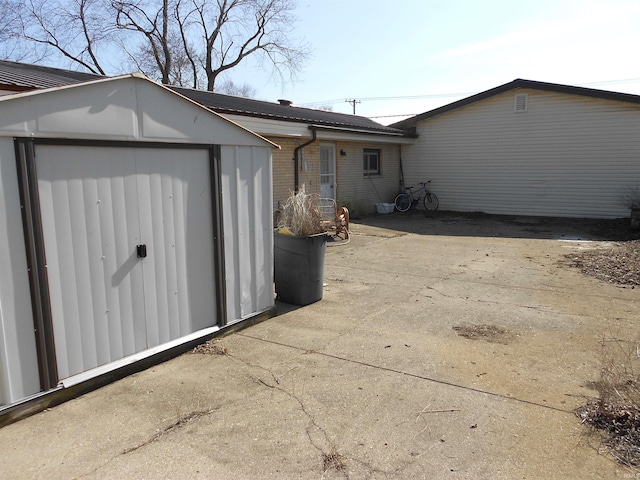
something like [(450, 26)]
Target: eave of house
[(301, 130), (519, 83)]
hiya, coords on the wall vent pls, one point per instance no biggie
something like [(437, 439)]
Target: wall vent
[(520, 104)]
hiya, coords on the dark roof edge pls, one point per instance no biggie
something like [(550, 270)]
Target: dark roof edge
[(382, 130), (519, 83), (397, 133)]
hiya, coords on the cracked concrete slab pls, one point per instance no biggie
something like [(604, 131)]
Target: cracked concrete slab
[(374, 381)]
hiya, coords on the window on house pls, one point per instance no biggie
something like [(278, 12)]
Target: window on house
[(371, 161)]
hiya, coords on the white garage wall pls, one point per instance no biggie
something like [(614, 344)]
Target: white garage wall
[(566, 156)]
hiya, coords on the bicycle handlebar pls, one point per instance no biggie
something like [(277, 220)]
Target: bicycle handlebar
[(419, 183)]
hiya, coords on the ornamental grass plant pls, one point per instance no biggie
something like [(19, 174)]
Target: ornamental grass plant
[(301, 215)]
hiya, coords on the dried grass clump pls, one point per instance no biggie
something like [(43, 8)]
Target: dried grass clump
[(212, 347), (333, 459), (490, 333), (302, 214), (615, 414)]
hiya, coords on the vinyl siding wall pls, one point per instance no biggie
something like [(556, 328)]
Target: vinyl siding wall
[(566, 156)]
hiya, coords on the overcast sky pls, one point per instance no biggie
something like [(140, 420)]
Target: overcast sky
[(436, 52)]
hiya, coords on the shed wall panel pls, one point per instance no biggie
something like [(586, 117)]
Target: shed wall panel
[(19, 375), (565, 156), (248, 230)]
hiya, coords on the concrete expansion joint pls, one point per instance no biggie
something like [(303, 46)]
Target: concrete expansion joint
[(416, 376)]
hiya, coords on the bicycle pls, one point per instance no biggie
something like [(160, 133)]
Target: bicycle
[(404, 201)]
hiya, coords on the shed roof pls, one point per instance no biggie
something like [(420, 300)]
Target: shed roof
[(19, 77), (517, 84), (129, 107)]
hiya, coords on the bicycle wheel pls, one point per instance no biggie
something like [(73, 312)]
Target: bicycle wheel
[(403, 202), (431, 202)]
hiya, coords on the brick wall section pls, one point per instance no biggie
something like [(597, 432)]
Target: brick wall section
[(358, 192), (354, 190), (283, 173)]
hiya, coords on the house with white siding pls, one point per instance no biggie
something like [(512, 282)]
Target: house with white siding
[(529, 148)]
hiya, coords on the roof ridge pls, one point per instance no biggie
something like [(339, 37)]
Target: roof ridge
[(514, 84)]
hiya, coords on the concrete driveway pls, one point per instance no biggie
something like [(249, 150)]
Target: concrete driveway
[(377, 380)]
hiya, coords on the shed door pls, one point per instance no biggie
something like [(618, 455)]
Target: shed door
[(98, 204)]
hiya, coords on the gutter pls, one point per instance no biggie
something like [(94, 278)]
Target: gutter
[(296, 159)]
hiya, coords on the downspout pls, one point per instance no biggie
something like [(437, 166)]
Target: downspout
[(401, 188), (296, 161)]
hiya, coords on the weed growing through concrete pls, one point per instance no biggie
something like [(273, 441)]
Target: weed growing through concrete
[(615, 414), (333, 460), (212, 347), (490, 333)]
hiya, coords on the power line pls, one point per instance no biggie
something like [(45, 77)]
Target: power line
[(396, 115), (446, 95), (400, 97), (611, 82), (353, 102)]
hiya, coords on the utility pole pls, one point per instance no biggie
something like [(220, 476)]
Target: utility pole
[(353, 102)]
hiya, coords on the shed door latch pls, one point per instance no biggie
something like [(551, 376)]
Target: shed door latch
[(141, 250)]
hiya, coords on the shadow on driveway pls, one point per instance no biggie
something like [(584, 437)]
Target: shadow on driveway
[(509, 226)]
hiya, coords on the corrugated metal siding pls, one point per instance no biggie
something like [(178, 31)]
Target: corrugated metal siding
[(18, 361), (566, 156), (97, 205), (248, 230)]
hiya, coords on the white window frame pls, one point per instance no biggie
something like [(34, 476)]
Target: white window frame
[(366, 162)]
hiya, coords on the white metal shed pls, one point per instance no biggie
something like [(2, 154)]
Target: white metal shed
[(132, 221)]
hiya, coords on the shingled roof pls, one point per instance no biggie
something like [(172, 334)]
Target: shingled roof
[(518, 83), (282, 111), (19, 77)]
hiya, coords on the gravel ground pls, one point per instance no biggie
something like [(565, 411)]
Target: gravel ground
[(618, 264)]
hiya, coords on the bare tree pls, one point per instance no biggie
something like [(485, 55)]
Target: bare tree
[(76, 29), (212, 37), (153, 24), (235, 30), (228, 87), (10, 28), (183, 16), (184, 42)]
